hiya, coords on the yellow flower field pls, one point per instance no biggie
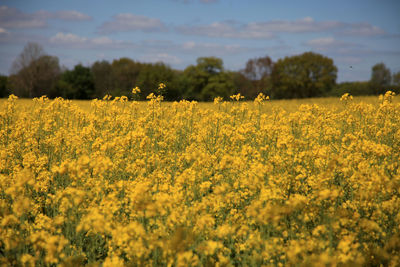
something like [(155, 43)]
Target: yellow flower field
[(233, 183)]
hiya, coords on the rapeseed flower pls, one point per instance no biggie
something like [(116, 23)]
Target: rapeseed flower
[(186, 183)]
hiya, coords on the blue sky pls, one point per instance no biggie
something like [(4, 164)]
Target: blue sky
[(353, 33)]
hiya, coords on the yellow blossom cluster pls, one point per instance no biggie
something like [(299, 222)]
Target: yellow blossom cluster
[(346, 97), (387, 97), (261, 98), (176, 184), (237, 97)]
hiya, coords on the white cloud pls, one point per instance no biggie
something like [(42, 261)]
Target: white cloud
[(68, 15), (71, 15), (3, 31), (161, 57), (306, 24), (226, 30), (130, 22), (13, 18), (270, 29), (325, 41), (211, 48), (363, 29), (154, 50), (201, 1), (67, 38), (189, 45), (102, 41), (76, 41), (258, 30), (332, 45), (19, 38), (349, 60), (307, 19), (208, 1), (71, 40)]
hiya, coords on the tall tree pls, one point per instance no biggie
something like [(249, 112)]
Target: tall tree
[(206, 80), (33, 72), (258, 71), (396, 78), (102, 78), (210, 65), (125, 72), (258, 68), (380, 78), (77, 83), (3, 86), (218, 85), (48, 71), (380, 75), (306, 75), (151, 75), (244, 86), (30, 53)]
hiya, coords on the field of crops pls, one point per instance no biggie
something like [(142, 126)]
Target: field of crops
[(228, 183)]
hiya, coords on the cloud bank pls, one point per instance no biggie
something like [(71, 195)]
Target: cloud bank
[(126, 22), (270, 29), (13, 18)]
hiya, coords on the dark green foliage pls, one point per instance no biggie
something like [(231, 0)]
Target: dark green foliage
[(102, 78), (3, 86), (206, 80), (256, 77), (49, 71), (305, 75), (151, 75), (125, 72), (243, 85), (77, 83), (380, 82), (380, 75), (396, 79), (33, 73), (353, 88), (380, 78), (36, 79), (218, 85)]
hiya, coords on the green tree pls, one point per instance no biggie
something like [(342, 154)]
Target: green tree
[(23, 73), (125, 72), (353, 88), (33, 72), (3, 86), (396, 78), (76, 84), (102, 78), (258, 72), (306, 75), (218, 85), (206, 80), (49, 71), (380, 78), (380, 75), (244, 85), (151, 75)]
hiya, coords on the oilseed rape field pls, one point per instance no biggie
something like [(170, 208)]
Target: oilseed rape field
[(229, 183)]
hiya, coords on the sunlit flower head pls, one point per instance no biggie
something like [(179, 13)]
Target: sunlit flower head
[(261, 98), (346, 97), (218, 99), (135, 90), (237, 97)]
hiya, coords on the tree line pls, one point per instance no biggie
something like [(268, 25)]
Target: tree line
[(35, 73)]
